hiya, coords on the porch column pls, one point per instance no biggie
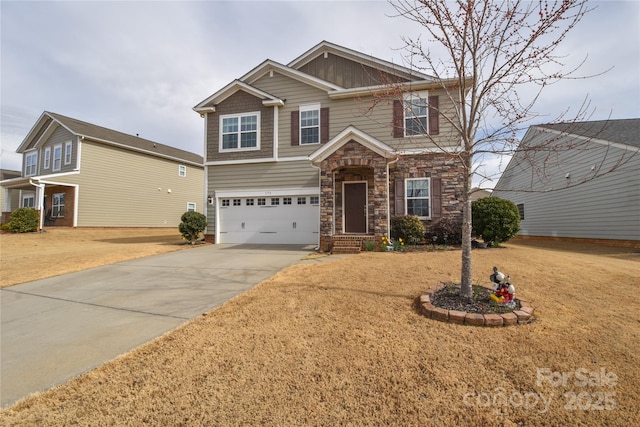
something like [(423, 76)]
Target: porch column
[(327, 208), (380, 197)]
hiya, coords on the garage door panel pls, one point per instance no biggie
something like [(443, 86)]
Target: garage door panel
[(281, 220)]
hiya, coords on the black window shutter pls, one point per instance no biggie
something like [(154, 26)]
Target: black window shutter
[(295, 128), (434, 119), (398, 119), (324, 125), (399, 196), (436, 198)]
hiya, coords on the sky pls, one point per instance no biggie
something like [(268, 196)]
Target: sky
[(140, 67)]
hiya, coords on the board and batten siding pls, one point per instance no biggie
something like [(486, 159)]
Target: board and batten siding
[(59, 137), (123, 188), (606, 207)]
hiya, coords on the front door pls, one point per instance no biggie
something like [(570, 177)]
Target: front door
[(355, 207)]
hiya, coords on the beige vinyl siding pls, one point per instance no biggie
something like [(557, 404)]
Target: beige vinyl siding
[(603, 208), (371, 115), (272, 175), (122, 188)]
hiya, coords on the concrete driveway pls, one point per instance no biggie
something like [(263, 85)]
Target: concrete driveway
[(57, 328)]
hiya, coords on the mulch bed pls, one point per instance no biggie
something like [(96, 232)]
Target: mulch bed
[(449, 298)]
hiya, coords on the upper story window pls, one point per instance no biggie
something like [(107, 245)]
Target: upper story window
[(417, 197), (416, 114), (31, 162), (67, 153), (310, 124), (47, 157), (57, 157), (182, 170), (191, 207), (240, 132)]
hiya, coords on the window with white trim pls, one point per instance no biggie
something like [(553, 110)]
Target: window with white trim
[(310, 124), (182, 170), (67, 153), (191, 207), (240, 132), (29, 200), (47, 157), (416, 114), (57, 207), (31, 163), (57, 157), (417, 197)]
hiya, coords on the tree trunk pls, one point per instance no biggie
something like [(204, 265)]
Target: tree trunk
[(466, 279)]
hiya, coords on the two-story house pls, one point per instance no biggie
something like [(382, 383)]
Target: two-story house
[(327, 147), (82, 175)]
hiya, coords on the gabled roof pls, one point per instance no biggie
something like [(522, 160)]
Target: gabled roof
[(623, 131), (328, 47), (208, 105), (107, 136), (348, 134), (270, 65)]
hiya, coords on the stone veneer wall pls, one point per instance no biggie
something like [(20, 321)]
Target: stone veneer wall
[(441, 165)]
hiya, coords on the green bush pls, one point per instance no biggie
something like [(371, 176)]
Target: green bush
[(408, 228), (193, 223), (494, 219), (447, 230), (23, 220)]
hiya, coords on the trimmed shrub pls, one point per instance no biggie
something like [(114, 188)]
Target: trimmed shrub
[(494, 219), (447, 230), (23, 220), (193, 223), (408, 228)]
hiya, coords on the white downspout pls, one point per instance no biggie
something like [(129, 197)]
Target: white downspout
[(388, 193), (320, 199), (40, 199)]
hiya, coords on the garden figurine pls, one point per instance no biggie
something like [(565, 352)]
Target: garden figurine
[(504, 291)]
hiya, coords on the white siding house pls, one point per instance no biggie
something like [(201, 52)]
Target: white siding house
[(584, 183)]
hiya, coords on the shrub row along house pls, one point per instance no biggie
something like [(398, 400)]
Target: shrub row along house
[(331, 145), (82, 175), (578, 180)]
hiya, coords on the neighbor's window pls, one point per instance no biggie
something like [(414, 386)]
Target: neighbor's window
[(191, 207), (182, 170), (31, 163), (47, 157), (240, 132), (57, 157), (67, 153), (29, 200), (520, 207), (57, 210), (417, 197), (310, 124), (416, 114)]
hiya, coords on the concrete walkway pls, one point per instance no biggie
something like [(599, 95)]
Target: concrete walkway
[(57, 328)]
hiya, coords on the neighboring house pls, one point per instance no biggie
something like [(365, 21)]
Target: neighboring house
[(325, 148), (8, 174), (478, 193), (558, 191), (82, 175)]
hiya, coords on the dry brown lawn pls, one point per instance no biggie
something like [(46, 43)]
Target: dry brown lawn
[(343, 343)]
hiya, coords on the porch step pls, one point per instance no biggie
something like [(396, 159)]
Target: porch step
[(351, 244)]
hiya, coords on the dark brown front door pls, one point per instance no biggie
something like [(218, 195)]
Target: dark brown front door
[(355, 207)]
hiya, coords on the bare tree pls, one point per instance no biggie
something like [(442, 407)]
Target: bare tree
[(495, 52)]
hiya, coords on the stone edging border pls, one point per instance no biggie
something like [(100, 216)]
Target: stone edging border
[(519, 317)]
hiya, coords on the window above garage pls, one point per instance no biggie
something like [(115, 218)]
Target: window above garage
[(239, 132)]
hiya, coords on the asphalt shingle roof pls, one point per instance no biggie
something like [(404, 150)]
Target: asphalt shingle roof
[(104, 134), (622, 131)]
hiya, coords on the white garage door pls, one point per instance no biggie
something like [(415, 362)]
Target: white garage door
[(270, 220)]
